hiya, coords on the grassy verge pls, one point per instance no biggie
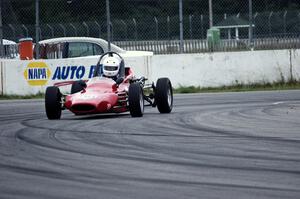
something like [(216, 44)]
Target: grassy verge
[(192, 89), (240, 87), (7, 97)]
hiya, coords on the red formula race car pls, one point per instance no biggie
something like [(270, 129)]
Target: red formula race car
[(105, 94)]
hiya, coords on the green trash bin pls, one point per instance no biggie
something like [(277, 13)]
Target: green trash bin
[(213, 38)]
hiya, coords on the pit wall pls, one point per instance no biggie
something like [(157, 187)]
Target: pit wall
[(205, 70)]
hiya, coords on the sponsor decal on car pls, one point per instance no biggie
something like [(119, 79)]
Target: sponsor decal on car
[(87, 97), (37, 73)]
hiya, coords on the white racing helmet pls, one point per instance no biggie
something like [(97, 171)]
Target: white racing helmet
[(111, 66)]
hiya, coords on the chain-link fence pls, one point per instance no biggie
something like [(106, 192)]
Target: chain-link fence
[(154, 24)]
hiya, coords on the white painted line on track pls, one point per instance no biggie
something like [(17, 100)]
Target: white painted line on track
[(276, 103)]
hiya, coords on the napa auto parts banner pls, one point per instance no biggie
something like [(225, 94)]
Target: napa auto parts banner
[(38, 73), (32, 77)]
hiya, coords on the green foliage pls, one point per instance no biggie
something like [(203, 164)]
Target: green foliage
[(8, 97), (54, 11), (241, 87)]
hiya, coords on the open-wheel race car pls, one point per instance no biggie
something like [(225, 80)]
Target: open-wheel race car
[(112, 89)]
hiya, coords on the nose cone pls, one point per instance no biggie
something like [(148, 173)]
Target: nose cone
[(93, 102)]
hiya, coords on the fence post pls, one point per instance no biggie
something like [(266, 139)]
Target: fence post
[(37, 26), (251, 24), (125, 25), (26, 30), (135, 29), (181, 26), (13, 31), (191, 26), (202, 29), (211, 23), (270, 28), (1, 32), (112, 30), (156, 28), (168, 27), (108, 24), (74, 28), (64, 29), (254, 22), (87, 28), (40, 32), (284, 22), (52, 31), (97, 24)]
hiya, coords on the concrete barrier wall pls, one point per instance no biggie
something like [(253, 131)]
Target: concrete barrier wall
[(32, 77), (205, 70), (219, 69)]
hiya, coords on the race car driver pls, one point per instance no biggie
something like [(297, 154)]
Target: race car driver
[(113, 67)]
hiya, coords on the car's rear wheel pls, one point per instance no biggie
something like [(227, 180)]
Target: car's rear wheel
[(136, 100), (77, 86), (164, 95), (53, 103)]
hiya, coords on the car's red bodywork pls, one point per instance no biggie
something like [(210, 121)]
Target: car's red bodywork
[(101, 95)]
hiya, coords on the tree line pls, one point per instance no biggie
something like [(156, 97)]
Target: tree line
[(57, 11)]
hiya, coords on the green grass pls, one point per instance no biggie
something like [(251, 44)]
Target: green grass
[(291, 85), (7, 97)]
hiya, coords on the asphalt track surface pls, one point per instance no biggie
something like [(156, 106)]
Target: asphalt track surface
[(225, 145)]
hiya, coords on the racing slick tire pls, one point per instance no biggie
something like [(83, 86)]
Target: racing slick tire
[(53, 103), (136, 100), (164, 95), (77, 86)]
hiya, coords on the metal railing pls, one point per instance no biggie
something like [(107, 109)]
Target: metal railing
[(202, 46), (154, 25)]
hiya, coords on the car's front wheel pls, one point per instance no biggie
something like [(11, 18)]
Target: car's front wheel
[(53, 103), (164, 95), (136, 100)]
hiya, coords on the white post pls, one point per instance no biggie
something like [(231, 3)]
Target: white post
[(237, 33)]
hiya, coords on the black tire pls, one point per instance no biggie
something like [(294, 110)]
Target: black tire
[(77, 86), (136, 100), (53, 103), (164, 95)]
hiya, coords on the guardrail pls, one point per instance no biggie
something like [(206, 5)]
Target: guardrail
[(192, 46), (201, 46)]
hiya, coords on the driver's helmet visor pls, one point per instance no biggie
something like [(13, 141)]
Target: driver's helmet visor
[(110, 68)]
